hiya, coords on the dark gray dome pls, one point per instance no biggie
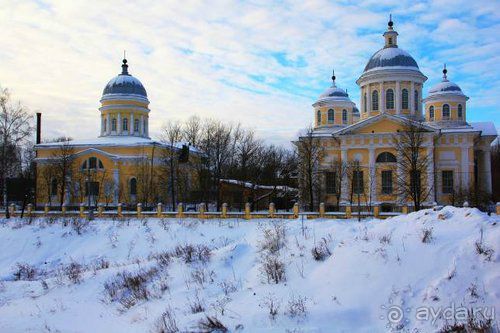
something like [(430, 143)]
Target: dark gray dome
[(391, 57), (125, 83)]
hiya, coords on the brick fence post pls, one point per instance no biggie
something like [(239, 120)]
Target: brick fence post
[(139, 210), (159, 210), (296, 210), (224, 210), (247, 211), (348, 212), (322, 209), (82, 210), (180, 210)]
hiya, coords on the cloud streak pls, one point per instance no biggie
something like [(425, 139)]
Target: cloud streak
[(262, 63)]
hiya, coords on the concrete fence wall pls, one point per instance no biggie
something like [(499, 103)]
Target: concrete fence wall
[(202, 213)]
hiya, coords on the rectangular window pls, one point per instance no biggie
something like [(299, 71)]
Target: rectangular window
[(387, 182), (331, 182), (92, 188), (447, 179), (357, 182)]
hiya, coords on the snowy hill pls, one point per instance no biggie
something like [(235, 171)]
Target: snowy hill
[(398, 274)]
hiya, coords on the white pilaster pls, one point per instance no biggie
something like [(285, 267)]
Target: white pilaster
[(398, 97), (465, 168), (119, 124), (131, 124), (369, 95), (382, 98), (412, 98), (141, 126), (487, 169), (362, 103), (108, 126), (103, 121)]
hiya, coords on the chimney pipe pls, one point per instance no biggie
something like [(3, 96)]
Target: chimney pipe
[(38, 127)]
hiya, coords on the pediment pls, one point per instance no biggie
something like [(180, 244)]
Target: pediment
[(383, 123)]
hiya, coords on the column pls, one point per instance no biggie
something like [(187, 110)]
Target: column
[(362, 103), (419, 103), (344, 196), (141, 126), (465, 167), (102, 125), (119, 124), (487, 169), (382, 98), (412, 98), (398, 97), (108, 125), (372, 174), (131, 124), (430, 175), (369, 95)]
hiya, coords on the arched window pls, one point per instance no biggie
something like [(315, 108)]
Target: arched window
[(318, 116), (113, 124), (446, 112), (374, 100), (404, 99), (389, 99), (331, 116), (344, 116), (364, 104), (431, 113), (133, 186), (125, 124), (460, 112), (386, 157), (92, 163), (416, 100), (136, 125), (53, 187)]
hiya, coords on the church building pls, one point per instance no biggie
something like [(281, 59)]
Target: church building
[(122, 165), (391, 90)]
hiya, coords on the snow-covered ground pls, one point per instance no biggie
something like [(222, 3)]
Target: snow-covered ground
[(380, 275)]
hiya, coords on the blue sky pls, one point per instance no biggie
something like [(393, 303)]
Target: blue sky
[(261, 63)]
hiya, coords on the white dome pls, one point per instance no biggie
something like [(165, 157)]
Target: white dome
[(446, 87), (391, 57)]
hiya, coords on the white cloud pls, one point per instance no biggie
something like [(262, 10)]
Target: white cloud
[(203, 58)]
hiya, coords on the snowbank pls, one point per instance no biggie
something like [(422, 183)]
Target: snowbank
[(376, 268)]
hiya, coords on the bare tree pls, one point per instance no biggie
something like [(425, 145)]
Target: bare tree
[(310, 153), (172, 135), (63, 159), (15, 129), (413, 162), (192, 130)]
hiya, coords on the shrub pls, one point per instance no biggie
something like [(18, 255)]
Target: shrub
[(166, 323), (211, 324), (74, 272), (272, 305), (130, 288), (196, 305), (427, 235), (79, 224), (484, 250), (297, 307), (273, 269), (201, 276), (274, 238), (25, 271), (163, 259), (228, 287), (474, 323), (193, 253), (321, 251), (385, 239)]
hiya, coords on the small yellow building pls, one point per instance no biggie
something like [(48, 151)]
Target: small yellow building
[(122, 165), (391, 86)]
